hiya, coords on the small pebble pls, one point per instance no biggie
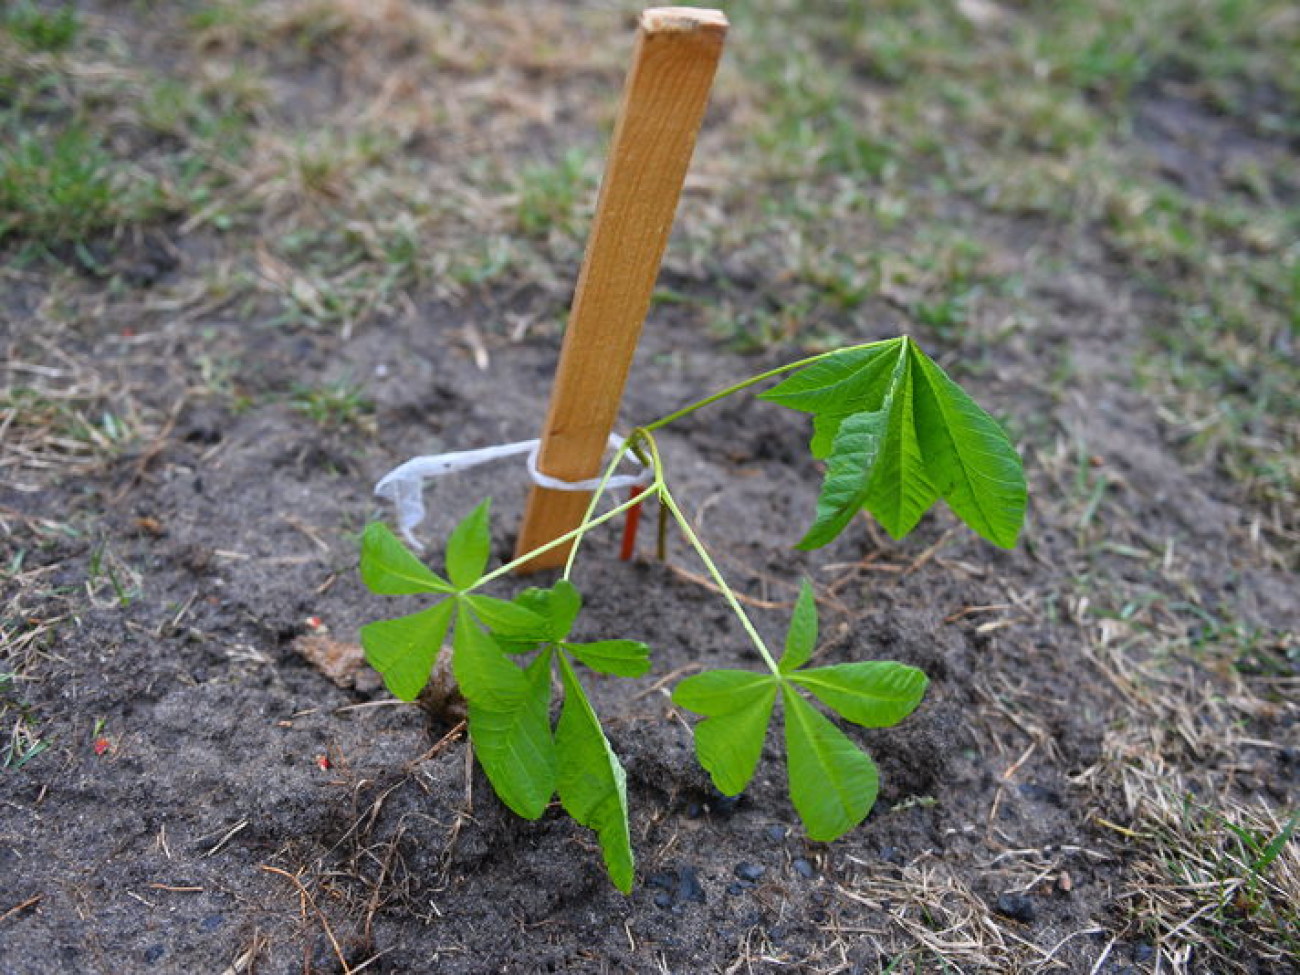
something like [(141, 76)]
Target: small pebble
[(804, 869), (1038, 793), (723, 806), (777, 834), (688, 885), (663, 899), (750, 872), (735, 889), (1017, 907), (211, 922), (153, 953)]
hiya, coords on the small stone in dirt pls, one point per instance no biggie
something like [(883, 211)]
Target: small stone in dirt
[(777, 834), (211, 922), (688, 885), (1039, 793), (153, 953), (663, 899), (750, 872), (723, 806), (735, 889), (1017, 907), (804, 869), (663, 880)]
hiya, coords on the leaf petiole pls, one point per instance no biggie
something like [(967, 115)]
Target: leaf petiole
[(754, 381), (666, 499)]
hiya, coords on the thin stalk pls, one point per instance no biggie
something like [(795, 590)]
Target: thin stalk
[(553, 543), (752, 381), (629, 444), (666, 499)]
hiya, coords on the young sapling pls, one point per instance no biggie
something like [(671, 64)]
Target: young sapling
[(896, 435)]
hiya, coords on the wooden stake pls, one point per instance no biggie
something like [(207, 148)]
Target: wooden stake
[(676, 55)]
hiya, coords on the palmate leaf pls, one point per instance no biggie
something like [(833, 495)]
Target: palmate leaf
[(515, 746), (403, 650), (737, 706), (833, 783), (390, 569), (591, 780), (897, 434)]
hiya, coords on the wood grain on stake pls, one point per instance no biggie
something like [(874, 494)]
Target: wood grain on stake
[(667, 88)]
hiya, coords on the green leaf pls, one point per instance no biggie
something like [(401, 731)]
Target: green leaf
[(591, 781), (548, 614), (566, 603), (622, 658), (898, 490), (845, 487), (852, 381), (390, 569), (801, 638), (403, 650), (833, 783), (510, 620), (514, 744), (485, 675), (468, 547), (897, 434), (826, 426), (737, 706), (968, 456), (872, 693)]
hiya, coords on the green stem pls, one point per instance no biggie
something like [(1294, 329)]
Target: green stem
[(752, 381), (667, 500), (628, 445), (553, 543)]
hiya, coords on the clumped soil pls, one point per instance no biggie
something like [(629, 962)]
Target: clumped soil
[(212, 800)]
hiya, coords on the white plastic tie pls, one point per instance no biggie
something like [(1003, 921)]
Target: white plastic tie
[(404, 484)]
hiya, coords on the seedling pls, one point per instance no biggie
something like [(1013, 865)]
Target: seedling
[(896, 435)]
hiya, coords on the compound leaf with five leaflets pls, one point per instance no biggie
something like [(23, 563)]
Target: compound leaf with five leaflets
[(897, 434)]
